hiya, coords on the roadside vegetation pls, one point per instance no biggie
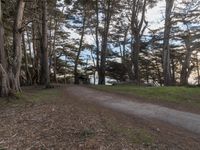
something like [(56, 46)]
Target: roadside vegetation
[(175, 95)]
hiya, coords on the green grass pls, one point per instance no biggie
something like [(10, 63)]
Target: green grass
[(43, 95), (137, 135), (134, 135), (178, 95), (30, 97)]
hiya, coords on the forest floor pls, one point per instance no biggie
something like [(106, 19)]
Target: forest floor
[(56, 118)]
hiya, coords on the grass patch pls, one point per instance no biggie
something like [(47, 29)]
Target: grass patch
[(138, 136), (134, 135), (42, 95), (178, 95), (30, 97)]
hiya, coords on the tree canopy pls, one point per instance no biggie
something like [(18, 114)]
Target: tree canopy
[(80, 41)]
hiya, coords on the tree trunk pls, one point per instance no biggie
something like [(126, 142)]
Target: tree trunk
[(28, 75), (138, 26), (124, 48), (125, 61), (29, 48), (97, 35), (2, 51), (50, 43), (136, 51), (159, 73), (35, 60), (54, 53), (186, 64), (37, 42), (94, 71), (173, 80), (45, 78), (166, 47), (198, 70), (104, 44), (15, 69), (76, 75), (147, 73), (129, 63), (4, 82)]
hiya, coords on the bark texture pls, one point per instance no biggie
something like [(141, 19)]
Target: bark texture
[(97, 35), (76, 74), (138, 26), (45, 78), (27, 72), (185, 71), (105, 42), (4, 82), (15, 68), (166, 47)]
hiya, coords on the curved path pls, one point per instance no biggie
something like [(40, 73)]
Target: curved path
[(189, 121)]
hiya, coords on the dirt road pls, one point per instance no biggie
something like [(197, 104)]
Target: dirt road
[(77, 118), (186, 120)]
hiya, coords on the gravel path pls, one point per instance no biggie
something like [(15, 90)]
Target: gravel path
[(189, 121)]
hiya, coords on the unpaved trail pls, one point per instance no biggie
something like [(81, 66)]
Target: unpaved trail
[(186, 120)]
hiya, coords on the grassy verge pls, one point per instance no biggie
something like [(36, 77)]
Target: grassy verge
[(175, 95), (134, 135), (30, 96)]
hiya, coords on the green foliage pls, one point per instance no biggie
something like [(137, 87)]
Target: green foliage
[(68, 2), (116, 70)]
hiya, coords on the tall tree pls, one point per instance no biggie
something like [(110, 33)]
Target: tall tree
[(138, 26), (45, 78), (4, 84), (27, 71), (14, 72), (108, 10), (166, 47), (76, 75), (97, 34)]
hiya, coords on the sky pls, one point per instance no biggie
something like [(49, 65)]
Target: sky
[(155, 15)]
